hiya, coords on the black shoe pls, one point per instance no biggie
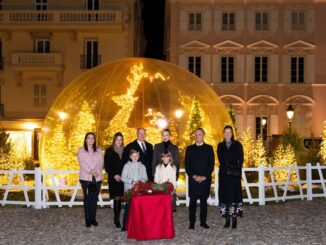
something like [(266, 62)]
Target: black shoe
[(94, 222), (204, 225), (227, 222), (117, 223), (234, 222), (192, 226), (88, 223), (123, 228)]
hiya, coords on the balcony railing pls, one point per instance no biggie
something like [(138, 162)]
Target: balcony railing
[(89, 61), (41, 59), (61, 17)]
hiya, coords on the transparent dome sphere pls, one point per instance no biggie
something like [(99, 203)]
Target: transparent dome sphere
[(124, 95)]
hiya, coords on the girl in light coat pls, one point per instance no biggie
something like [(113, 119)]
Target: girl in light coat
[(166, 171)]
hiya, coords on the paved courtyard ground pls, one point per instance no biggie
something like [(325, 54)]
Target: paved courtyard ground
[(297, 222)]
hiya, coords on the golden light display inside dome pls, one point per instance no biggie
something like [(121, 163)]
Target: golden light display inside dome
[(126, 94)]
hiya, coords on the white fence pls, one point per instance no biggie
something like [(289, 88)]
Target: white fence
[(262, 191)]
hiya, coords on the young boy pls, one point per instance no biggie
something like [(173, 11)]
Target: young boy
[(133, 172)]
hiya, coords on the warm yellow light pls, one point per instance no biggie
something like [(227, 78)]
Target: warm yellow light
[(62, 115), (178, 113), (162, 123), (30, 126), (290, 112), (263, 121)]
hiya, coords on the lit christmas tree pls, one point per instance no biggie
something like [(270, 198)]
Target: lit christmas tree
[(283, 157), (55, 155), (5, 150), (195, 121), (322, 151), (248, 146), (259, 153), (83, 123)]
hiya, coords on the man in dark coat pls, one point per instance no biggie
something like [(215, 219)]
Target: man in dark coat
[(199, 163), (145, 150)]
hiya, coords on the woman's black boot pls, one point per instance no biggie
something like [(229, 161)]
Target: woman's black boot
[(234, 222), (116, 210), (227, 221)]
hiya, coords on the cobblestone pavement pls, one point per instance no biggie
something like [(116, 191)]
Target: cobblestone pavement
[(298, 222)]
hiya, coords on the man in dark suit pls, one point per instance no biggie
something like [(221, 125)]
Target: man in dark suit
[(199, 163), (145, 150)]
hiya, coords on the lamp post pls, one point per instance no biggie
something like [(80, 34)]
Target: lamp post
[(290, 114), (263, 124)]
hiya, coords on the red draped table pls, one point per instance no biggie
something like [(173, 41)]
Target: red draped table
[(150, 217)]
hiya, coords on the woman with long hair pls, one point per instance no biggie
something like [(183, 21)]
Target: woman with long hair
[(230, 156), (90, 158), (113, 166)]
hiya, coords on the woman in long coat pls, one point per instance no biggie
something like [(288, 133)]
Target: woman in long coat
[(113, 166), (230, 156)]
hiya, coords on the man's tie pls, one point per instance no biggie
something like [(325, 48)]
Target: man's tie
[(143, 147)]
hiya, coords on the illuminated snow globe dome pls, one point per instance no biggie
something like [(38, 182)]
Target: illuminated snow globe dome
[(124, 95)]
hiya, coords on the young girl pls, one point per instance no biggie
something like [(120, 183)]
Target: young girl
[(133, 172), (166, 171)]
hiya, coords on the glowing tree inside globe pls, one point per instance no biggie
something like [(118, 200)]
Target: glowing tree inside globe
[(124, 95)]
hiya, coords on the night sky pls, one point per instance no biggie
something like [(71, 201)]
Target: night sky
[(153, 16)]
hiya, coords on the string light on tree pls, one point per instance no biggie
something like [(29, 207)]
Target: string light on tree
[(322, 151), (283, 157), (84, 122), (248, 146)]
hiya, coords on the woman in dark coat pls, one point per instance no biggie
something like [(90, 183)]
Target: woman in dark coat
[(230, 156), (113, 166), (166, 146)]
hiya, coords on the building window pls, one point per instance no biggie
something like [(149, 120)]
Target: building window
[(194, 65), (39, 95), (262, 21), (91, 58), (261, 64), (92, 4), (298, 20), (41, 4), (42, 46), (1, 4), (297, 69), (195, 22), (261, 130), (228, 22), (227, 69)]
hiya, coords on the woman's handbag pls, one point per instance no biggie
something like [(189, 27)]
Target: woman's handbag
[(92, 185), (233, 168)]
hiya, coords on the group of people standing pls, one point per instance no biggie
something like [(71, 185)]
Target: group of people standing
[(140, 161)]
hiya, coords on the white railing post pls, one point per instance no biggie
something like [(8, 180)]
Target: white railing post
[(38, 188), (216, 187), (308, 179), (261, 184), (187, 191)]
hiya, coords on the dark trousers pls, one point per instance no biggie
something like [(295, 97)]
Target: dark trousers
[(193, 206), (125, 215), (90, 199)]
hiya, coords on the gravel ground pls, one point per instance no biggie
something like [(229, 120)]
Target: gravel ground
[(299, 222)]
